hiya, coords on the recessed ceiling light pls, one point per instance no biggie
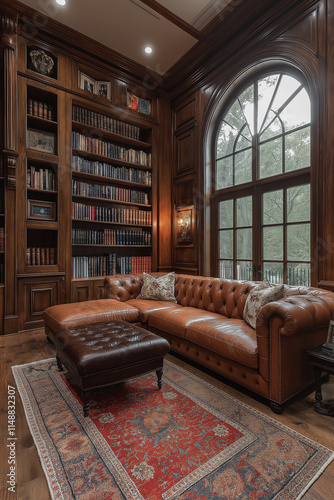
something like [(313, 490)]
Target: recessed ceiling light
[(61, 2), (148, 50)]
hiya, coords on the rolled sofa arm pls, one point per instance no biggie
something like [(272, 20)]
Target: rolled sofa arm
[(286, 329), (297, 313)]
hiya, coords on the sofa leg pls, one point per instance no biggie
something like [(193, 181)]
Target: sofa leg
[(59, 364), (159, 375), (276, 407)]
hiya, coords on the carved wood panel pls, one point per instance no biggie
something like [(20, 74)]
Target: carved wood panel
[(35, 295)]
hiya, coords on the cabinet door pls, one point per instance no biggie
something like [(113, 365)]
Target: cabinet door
[(35, 295), (82, 291), (99, 289)]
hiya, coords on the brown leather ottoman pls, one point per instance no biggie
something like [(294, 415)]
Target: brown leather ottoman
[(102, 354)]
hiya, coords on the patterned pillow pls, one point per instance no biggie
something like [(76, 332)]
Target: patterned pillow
[(158, 287), (258, 297)]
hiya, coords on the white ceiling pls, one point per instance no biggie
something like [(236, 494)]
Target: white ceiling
[(127, 26)]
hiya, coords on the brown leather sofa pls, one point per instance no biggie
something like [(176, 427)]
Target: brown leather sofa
[(206, 325)]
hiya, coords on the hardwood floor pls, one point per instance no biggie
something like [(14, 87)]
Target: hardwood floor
[(31, 346)]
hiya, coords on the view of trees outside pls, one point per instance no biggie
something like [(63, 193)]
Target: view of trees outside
[(265, 133)]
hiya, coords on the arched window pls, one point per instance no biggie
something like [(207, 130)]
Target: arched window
[(262, 182)]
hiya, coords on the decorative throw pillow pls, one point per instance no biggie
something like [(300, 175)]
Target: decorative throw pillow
[(258, 297), (158, 287)]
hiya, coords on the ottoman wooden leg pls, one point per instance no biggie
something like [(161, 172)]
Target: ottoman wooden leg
[(159, 375)]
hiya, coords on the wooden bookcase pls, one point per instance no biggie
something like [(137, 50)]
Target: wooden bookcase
[(111, 168), (41, 200), (82, 184)]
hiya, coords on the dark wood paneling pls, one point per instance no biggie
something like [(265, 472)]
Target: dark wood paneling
[(1, 309), (291, 33), (184, 151), (35, 295), (162, 186), (82, 291), (99, 289), (184, 114)]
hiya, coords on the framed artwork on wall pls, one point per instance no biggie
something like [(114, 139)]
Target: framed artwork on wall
[(185, 225)]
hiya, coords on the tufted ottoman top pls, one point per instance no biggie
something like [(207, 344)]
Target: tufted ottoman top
[(101, 347)]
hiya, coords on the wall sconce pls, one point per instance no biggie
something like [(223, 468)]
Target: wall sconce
[(184, 225)]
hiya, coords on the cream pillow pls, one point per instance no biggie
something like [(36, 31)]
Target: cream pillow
[(158, 287), (258, 297)]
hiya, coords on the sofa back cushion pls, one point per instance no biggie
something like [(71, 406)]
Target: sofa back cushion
[(226, 297)]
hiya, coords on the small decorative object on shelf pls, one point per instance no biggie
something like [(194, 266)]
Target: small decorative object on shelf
[(41, 62), (139, 104), (97, 87), (41, 141), (41, 210)]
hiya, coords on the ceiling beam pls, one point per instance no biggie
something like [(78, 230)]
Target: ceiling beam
[(173, 18)]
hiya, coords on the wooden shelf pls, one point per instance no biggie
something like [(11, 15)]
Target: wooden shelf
[(106, 200), (120, 139), (39, 123), (108, 159), (42, 224), (109, 180), (32, 154), (46, 191), (124, 224), (110, 246)]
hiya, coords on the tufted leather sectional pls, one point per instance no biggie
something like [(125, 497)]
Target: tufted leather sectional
[(206, 325)]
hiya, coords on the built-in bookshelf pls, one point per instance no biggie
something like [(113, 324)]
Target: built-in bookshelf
[(111, 195), (2, 223), (41, 178)]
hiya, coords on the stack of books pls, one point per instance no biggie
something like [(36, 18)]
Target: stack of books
[(328, 349)]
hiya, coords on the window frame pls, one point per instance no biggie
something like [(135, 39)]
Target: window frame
[(257, 186)]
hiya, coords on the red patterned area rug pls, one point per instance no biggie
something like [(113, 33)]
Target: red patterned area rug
[(188, 440)]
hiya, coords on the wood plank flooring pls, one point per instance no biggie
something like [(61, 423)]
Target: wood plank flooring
[(26, 347)]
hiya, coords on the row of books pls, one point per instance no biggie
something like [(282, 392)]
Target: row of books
[(40, 256), (2, 239), (103, 122), (40, 109), (41, 178), (106, 170), (104, 265), (105, 192), (96, 146), (111, 214), (142, 105), (2, 273), (111, 237)]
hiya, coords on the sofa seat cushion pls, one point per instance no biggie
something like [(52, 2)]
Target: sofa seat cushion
[(63, 316), (231, 338), (146, 307), (176, 320)]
